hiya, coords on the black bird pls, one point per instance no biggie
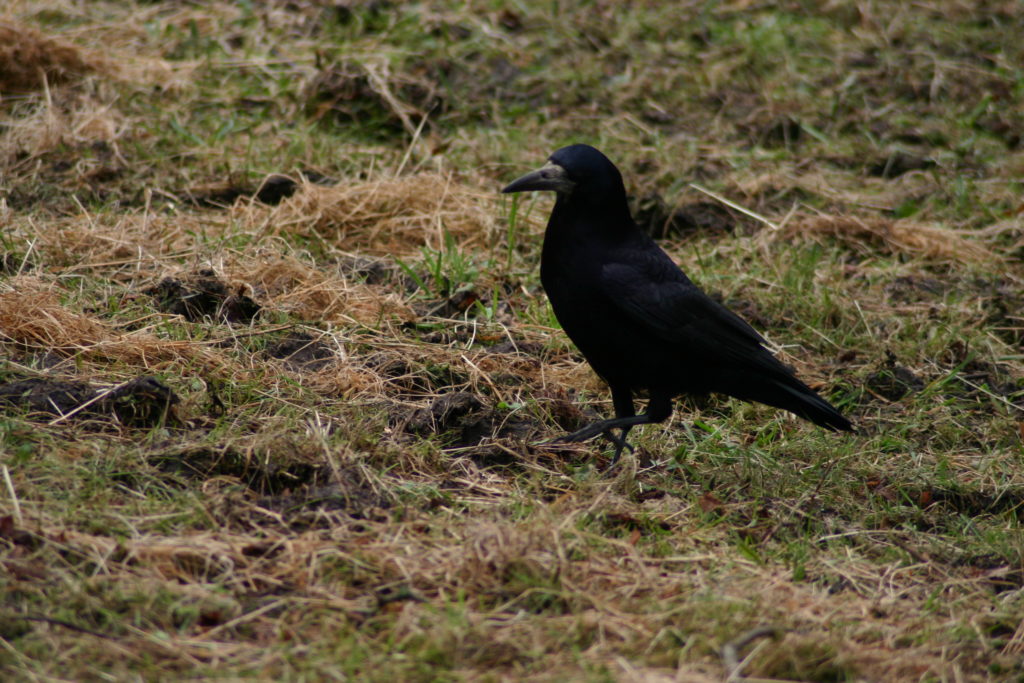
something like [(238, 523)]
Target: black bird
[(636, 317)]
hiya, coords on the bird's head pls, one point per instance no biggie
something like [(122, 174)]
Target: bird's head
[(576, 170)]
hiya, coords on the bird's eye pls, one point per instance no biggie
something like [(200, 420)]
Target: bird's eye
[(545, 174)]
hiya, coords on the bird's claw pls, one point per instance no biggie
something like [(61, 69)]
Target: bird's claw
[(596, 429), (585, 434)]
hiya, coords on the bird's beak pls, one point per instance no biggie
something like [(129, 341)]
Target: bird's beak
[(550, 176)]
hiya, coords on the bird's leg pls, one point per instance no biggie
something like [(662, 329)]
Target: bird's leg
[(622, 401), (659, 409)]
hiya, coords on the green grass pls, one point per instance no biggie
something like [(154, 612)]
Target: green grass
[(288, 523)]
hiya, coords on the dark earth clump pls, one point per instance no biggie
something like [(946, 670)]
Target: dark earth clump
[(464, 421), (51, 396), (458, 304), (267, 474), (914, 288), (12, 263), (347, 93), (519, 347), (141, 402), (301, 352), (403, 379), (781, 131), (660, 221), (349, 493), (893, 381), (978, 377), (374, 271), (203, 295), (445, 413), (274, 189), (898, 163)]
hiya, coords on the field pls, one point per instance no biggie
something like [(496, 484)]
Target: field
[(277, 375)]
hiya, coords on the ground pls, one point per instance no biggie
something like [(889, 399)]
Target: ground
[(277, 375)]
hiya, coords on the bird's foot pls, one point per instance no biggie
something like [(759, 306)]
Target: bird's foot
[(602, 428)]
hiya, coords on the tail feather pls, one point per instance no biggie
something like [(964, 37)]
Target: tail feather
[(789, 393), (806, 403)]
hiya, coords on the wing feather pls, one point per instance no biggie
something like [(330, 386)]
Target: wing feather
[(666, 304)]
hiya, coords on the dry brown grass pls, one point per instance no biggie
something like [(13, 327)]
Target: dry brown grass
[(384, 216), (289, 285), (33, 318), (62, 118), (61, 87), (322, 522), (871, 234), (31, 61)]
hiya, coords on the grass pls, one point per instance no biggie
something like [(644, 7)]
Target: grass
[(351, 482)]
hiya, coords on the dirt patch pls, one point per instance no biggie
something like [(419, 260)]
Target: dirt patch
[(274, 189), (518, 347), (898, 163), (463, 420), (781, 131), (979, 377), (351, 494), (141, 402), (445, 413), (302, 353), (893, 381), (268, 473), (404, 378), (12, 263), (972, 503), (375, 271), (53, 397), (914, 288), (1003, 126), (1003, 301), (203, 295), (458, 304), (1002, 575), (662, 221)]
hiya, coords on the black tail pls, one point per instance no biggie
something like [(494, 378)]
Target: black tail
[(789, 393), (806, 403)]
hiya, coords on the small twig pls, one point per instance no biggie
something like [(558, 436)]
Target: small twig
[(241, 619), (731, 650), (379, 84), (990, 394), (98, 397), (14, 496), (243, 335), (412, 143), (66, 624), (733, 205)]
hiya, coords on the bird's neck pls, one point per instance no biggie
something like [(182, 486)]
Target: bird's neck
[(591, 217)]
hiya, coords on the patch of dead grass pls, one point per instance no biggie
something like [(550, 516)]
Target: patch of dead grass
[(869, 234), (387, 215), (287, 284), (33, 317), (30, 60), (61, 118)]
